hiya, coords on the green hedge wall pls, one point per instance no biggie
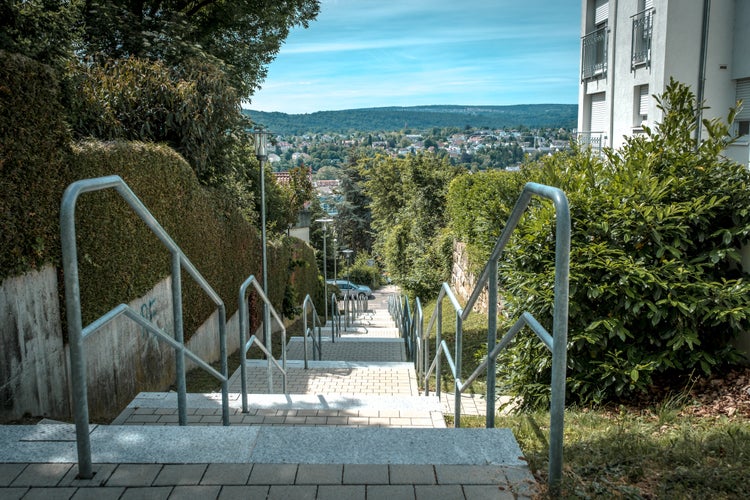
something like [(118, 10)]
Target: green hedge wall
[(119, 258)]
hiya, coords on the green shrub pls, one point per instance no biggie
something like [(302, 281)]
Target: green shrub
[(655, 289), (363, 271)]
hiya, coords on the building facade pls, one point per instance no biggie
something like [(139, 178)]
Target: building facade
[(631, 48)]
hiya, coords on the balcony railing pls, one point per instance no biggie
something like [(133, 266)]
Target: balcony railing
[(595, 140), (594, 54), (643, 28)]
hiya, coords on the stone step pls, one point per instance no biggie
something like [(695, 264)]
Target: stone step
[(351, 348), (351, 378), (263, 444), (160, 408)]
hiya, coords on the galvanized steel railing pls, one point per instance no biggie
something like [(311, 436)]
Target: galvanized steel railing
[(246, 345), (307, 308), (557, 342), (77, 333)]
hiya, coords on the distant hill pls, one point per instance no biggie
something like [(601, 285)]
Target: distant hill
[(418, 118)]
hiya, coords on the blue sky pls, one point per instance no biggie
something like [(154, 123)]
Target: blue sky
[(374, 53)]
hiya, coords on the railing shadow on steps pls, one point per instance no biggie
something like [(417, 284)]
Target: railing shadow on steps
[(244, 325), (77, 333), (556, 343)]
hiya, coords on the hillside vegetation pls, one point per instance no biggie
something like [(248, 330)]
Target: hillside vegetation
[(419, 118)]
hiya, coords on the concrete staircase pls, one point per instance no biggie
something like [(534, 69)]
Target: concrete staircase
[(358, 407)]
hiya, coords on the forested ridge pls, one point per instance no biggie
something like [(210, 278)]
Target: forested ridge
[(419, 118)]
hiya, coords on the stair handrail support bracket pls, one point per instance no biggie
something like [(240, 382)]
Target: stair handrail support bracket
[(77, 333), (246, 344)]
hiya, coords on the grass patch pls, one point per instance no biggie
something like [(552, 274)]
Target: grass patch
[(639, 454)]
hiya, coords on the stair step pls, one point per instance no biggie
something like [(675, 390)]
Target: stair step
[(263, 444), (349, 349)]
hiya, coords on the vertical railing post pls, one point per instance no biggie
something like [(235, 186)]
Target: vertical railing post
[(457, 387), (224, 364), (438, 341), (75, 333), (243, 325), (179, 336), (492, 297)]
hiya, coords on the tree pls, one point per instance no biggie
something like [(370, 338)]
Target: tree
[(353, 219), (242, 37)]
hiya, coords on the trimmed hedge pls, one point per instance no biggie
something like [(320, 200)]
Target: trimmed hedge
[(119, 257)]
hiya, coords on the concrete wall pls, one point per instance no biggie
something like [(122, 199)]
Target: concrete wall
[(122, 359), (33, 372)]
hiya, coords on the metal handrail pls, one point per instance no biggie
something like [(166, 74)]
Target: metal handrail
[(245, 346), (557, 342), (308, 306), (335, 318), (77, 334)]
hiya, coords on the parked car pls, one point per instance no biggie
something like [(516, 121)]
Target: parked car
[(347, 287)]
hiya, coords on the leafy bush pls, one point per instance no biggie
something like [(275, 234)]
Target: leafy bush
[(363, 271), (655, 289)]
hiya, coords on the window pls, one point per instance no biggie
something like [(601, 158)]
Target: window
[(594, 44), (643, 28), (742, 119), (640, 105)]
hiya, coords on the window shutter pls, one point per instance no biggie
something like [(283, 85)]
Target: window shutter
[(648, 4), (743, 92), (601, 12), (598, 112), (643, 100)]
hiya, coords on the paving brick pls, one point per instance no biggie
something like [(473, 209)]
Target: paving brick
[(319, 474), (243, 492), (41, 475), (8, 472), (273, 474), (138, 493), (227, 474), (365, 474), (102, 473), (13, 493), (390, 492), (98, 493), (411, 474), (487, 492), (439, 492), (49, 493), (180, 474), (288, 492), (470, 474), (194, 492), (134, 475), (341, 492)]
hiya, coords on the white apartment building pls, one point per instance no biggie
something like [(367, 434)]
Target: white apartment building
[(631, 48)]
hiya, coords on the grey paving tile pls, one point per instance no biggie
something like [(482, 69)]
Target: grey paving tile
[(273, 474), (296, 492), (439, 492), (139, 493), (487, 492), (341, 492), (102, 473), (13, 493), (390, 492), (470, 474), (319, 474), (98, 493), (134, 475), (227, 474), (8, 472), (180, 474), (194, 492), (41, 475), (522, 481), (412, 474), (244, 492), (365, 474), (49, 493)]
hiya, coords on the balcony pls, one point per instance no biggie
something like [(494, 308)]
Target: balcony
[(594, 55), (643, 28), (594, 140)]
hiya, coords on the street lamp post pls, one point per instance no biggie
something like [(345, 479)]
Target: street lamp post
[(335, 258), (348, 252), (325, 223), (261, 137)]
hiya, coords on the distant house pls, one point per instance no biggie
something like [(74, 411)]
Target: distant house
[(631, 48)]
